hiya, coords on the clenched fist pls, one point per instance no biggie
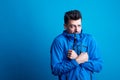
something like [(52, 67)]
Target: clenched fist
[(72, 54)]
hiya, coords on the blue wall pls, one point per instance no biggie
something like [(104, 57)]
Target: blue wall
[(28, 27)]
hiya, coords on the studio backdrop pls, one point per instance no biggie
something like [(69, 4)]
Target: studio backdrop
[(28, 27)]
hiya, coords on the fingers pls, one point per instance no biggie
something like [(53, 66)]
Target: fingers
[(70, 51), (69, 54), (72, 54)]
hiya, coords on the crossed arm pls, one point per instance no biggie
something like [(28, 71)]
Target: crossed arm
[(82, 58), (60, 66)]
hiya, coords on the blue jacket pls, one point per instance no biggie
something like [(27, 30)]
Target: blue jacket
[(67, 69)]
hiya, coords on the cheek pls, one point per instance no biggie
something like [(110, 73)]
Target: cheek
[(80, 29), (71, 30)]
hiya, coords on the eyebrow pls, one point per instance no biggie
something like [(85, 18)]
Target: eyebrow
[(75, 25)]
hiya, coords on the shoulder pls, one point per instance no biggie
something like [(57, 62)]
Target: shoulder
[(88, 36), (90, 39), (59, 39)]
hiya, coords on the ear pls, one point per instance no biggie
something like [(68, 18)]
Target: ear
[(65, 26)]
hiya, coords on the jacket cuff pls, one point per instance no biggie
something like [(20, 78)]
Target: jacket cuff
[(74, 62), (87, 63)]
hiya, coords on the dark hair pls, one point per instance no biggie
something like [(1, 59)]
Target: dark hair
[(72, 15)]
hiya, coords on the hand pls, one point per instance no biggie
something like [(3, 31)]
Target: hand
[(82, 58), (72, 54)]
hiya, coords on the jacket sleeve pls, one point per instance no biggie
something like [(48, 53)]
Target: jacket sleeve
[(58, 64), (94, 63)]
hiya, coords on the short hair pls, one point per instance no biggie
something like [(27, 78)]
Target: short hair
[(72, 15)]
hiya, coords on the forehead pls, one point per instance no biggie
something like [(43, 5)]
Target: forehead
[(74, 21)]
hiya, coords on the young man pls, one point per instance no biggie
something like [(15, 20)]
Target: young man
[(74, 55)]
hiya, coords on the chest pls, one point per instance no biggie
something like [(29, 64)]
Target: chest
[(78, 47)]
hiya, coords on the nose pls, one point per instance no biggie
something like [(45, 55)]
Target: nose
[(76, 29)]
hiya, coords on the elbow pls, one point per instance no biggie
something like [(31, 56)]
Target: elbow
[(99, 68), (55, 71)]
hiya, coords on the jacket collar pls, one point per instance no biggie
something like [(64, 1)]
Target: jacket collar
[(71, 36)]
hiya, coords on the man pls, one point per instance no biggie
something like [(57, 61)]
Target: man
[(74, 54)]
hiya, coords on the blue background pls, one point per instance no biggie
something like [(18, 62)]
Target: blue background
[(28, 27)]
